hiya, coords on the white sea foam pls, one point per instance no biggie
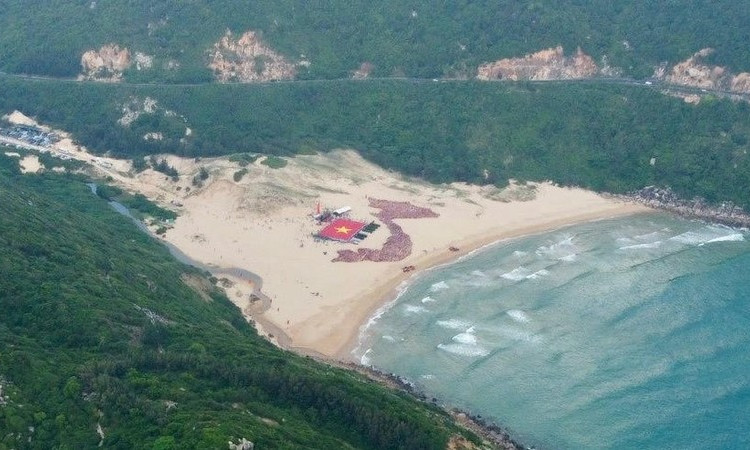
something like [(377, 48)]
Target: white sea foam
[(389, 338), (465, 338), (559, 250), (568, 258), (453, 324), (428, 299), (439, 286), (709, 235), (690, 238), (428, 376), (649, 236), (518, 315), (414, 309), (735, 237), (537, 274), (519, 254), (517, 274), (656, 244), (464, 350), (624, 241), (401, 289), (478, 273), (517, 334), (365, 360)]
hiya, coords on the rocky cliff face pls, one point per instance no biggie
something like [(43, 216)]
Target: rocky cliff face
[(549, 64), (105, 64), (694, 72), (248, 59)]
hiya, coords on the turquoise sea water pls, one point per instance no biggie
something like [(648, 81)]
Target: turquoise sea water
[(628, 333)]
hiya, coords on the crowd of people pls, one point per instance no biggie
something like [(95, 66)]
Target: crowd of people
[(398, 245)]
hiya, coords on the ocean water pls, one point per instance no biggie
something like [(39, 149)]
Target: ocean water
[(622, 334)]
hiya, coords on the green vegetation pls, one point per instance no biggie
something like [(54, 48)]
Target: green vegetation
[(274, 162), (163, 167), (100, 327), (591, 135), (239, 174), (243, 159), (423, 39), (138, 202), (143, 205)]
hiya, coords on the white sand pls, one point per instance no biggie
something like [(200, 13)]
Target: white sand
[(263, 224), (30, 164)]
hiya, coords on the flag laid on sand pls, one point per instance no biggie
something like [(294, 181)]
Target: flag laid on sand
[(341, 229)]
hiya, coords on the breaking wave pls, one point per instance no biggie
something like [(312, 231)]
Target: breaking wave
[(453, 324), (415, 309), (517, 274), (656, 244), (518, 316), (439, 286), (464, 349)]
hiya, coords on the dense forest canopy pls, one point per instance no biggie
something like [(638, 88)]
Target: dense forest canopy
[(100, 329), (415, 39), (597, 136)]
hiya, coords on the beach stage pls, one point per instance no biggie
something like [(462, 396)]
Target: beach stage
[(341, 230)]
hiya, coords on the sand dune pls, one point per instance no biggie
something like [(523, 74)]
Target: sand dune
[(263, 224)]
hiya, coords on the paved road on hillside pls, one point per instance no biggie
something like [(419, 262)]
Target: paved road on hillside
[(653, 84)]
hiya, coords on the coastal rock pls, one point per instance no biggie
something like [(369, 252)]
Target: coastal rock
[(105, 64), (725, 213), (549, 64), (248, 59)]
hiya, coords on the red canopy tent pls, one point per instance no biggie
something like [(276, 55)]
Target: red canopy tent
[(341, 230)]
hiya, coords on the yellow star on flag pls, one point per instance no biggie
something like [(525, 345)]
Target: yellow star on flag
[(343, 229)]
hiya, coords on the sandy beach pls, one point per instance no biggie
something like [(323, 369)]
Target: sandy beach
[(263, 224)]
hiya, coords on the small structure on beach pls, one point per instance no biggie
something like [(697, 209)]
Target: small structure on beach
[(342, 230), (341, 211)]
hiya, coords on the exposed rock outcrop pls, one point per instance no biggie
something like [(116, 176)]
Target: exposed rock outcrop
[(105, 64), (364, 71), (133, 108), (248, 59), (741, 83), (694, 72), (242, 444), (549, 64), (726, 213), (143, 61)]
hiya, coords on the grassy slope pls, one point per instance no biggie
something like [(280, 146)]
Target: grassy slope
[(77, 348), (426, 39)]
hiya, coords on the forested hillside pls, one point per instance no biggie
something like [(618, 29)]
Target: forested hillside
[(610, 138), (415, 39), (102, 343)]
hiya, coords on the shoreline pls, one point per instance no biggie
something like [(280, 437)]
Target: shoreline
[(261, 224), (387, 293)]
